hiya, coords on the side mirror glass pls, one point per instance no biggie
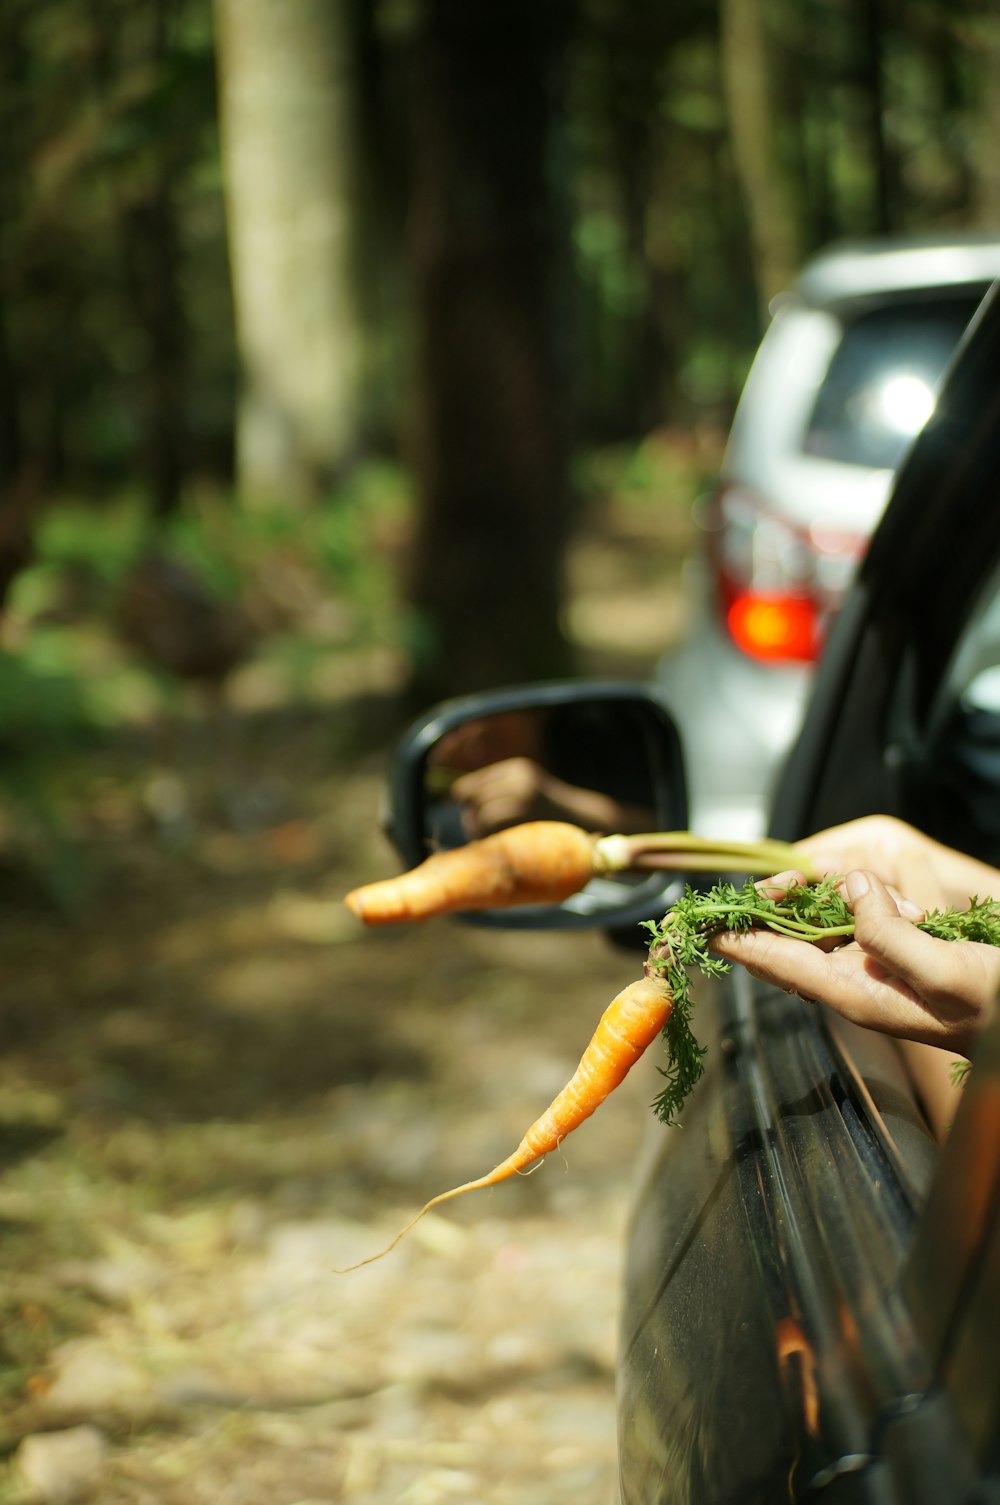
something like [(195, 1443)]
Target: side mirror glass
[(605, 757)]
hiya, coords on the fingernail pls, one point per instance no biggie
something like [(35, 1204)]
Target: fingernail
[(857, 885), (909, 910)]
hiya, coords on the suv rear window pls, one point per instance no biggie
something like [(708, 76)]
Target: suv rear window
[(880, 386)]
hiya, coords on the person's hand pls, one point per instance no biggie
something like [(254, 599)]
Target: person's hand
[(891, 977), (929, 873), (504, 794), (519, 789)]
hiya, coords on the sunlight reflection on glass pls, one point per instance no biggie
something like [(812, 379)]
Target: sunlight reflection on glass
[(905, 403)]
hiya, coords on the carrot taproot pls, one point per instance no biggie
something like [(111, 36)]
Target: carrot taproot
[(539, 862), (630, 1023)]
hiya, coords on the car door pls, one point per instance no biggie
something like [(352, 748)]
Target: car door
[(812, 1283)]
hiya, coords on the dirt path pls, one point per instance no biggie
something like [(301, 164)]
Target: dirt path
[(214, 1089)]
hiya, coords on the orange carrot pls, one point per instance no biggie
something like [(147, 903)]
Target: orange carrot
[(630, 1023), (540, 862)]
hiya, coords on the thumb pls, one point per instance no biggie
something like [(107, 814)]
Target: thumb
[(877, 898), (872, 904), (890, 937), (880, 924)]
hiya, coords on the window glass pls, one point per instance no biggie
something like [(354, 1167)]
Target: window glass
[(881, 384), (958, 783)]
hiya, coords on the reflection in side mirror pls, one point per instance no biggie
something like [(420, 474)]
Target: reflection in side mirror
[(569, 763), (603, 757)]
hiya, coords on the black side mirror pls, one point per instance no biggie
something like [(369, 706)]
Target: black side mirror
[(606, 757)]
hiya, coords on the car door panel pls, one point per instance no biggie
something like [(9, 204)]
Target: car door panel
[(815, 1226), (765, 1331)]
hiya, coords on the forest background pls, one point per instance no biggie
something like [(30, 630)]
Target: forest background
[(296, 292), (348, 353)]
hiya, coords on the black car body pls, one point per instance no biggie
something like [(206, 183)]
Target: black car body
[(812, 1301), (823, 1297)]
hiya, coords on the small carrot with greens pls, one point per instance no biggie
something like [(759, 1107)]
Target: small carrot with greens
[(630, 1023), (539, 862), (661, 1001)]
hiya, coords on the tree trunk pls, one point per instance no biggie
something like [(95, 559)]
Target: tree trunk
[(151, 251), (19, 481), (286, 114), (489, 254), (873, 45), (19, 477), (773, 231), (985, 158)]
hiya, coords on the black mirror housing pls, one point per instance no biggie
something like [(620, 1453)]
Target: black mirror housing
[(602, 755)]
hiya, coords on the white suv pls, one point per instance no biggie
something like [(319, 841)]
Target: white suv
[(845, 376)]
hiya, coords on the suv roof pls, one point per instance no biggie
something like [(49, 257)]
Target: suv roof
[(858, 269)]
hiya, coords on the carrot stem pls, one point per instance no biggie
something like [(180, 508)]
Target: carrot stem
[(686, 851)]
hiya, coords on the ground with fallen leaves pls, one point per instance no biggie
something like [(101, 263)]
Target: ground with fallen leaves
[(215, 1089)]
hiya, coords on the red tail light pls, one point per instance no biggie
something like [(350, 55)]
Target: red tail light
[(778, 628), (776, 584)]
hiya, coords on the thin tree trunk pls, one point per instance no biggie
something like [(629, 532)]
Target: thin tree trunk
[(773, 230), (488, 253), (883, 194), (286, 112), (985, 155), (144, 212), (20, 479), (164, 440), (152, 251)]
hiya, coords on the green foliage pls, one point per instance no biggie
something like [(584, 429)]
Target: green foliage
[(315, 586), (110, 158), (106, 123), (810, 912), (603, 260), (74, 535), (680, 941), (44, 714), (343, 547), (41, 706), (980, 922), (645, 473), (650, 485)]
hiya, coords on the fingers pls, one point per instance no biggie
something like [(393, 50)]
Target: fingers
[(792, 965), (845, 980), (778, 886), (893, 978), (900, 855), (499, 794), (812, 970), (956, 981), (906, 907), (890, 938), (753, 947)]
